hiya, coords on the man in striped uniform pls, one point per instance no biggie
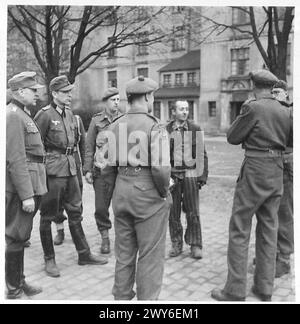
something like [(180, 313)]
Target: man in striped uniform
[(186, 187)]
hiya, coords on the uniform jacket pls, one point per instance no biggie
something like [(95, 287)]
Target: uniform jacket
[(263, 124), (98, 123), (23, 137), (59, 131), (140, 122), (80, 151), (193, 127)]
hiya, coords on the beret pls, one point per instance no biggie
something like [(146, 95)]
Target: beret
[(263, 77), (140, 85), (24, 80), (109, 93), (281, 84), (60, 83)]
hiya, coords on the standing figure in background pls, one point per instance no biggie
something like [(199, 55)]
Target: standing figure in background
[(103, 184)]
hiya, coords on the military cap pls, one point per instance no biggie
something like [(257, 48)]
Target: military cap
[(24, 80), (281, 84), (60, 83), (140, 85), (263, 77), (109, 93)]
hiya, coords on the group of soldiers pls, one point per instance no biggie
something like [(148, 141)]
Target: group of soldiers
[(151, 178)]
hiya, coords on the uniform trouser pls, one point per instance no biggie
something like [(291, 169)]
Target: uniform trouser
[(60, 218), (18, 227), (104, 187), (140, 218), (62, 191), (186, 192), (285, 241), (258, 191), (147, 239)]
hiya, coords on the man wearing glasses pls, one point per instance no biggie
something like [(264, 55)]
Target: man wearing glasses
[(60, 131)]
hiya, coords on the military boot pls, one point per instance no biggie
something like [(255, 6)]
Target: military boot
[(59, 238), (13, 274), (105, 244), (84, 254), (282, 268)]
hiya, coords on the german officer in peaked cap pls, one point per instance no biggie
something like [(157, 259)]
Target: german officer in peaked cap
[(103, 184), (141, 199), (264, 128), (25, 179), (60, 133)]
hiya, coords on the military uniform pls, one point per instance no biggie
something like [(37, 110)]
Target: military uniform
[(264, 128), (103, 184), (186, 189), (141, 200), (60, 132), (25, 178)]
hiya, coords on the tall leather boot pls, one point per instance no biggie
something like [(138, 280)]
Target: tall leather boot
[(13, 272), (49, 254), (84, 254), (105, 244), (29, 290)]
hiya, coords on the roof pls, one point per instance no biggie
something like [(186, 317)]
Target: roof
[(179, 92), (189, 61)]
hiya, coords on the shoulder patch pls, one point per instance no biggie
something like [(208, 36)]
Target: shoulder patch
[(46, 108)]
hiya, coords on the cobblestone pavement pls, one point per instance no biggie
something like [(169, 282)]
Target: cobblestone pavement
[(185, 279)]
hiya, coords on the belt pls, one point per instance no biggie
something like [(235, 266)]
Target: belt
[(35, 158), (268, 153), (67, 151), (134, 171)]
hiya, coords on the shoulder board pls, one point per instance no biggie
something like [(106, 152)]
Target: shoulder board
[(46, 108), (153, 117)]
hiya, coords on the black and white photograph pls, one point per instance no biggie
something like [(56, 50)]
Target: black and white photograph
[(149, 153)]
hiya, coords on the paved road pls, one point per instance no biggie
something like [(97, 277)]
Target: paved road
[(185, 279)]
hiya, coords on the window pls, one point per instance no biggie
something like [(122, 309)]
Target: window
[(112, 51), (212, 109), (167, 80), (240, 16), (112, 79), (156, 109), (239, 61), (143, 71), (178, 42), (142, 47), (179, 79), (191, 78), (191, 109)]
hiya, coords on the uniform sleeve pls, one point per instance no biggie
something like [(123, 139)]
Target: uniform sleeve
[(16, 157), (90, 147), (160, 159), (81, 143), (242, 125), (42, 121)]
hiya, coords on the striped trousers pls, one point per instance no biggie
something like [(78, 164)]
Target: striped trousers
[(185, 195)]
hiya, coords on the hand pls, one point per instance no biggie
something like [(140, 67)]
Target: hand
[(89, 177), (28, 205)]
